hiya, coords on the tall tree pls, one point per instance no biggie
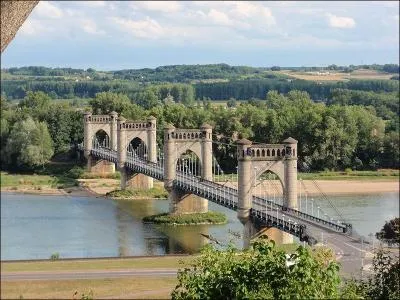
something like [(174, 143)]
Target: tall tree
[(29, 144)]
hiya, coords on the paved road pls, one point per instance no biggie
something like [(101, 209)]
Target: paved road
[(98, 274)]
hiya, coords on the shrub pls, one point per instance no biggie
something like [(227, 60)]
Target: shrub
[(55, 256), (261, 272), (76, 172)]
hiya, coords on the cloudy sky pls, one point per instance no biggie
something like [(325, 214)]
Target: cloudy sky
[(112, 35)]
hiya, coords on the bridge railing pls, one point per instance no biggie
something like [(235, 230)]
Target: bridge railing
[(225, 195), (228, 198)]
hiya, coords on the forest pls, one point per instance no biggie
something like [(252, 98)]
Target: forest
[(331, 136), (339, 124)]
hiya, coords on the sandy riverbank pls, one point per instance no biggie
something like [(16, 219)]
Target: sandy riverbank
[(99, 187)]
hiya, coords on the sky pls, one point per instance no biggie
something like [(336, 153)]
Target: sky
[(113, 35)]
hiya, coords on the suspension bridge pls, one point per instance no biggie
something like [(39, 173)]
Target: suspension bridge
[(263, 191)]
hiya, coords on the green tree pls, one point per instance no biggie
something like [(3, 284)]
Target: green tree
[(35, 100), (384, 282), (59, 124), (261, 272), (29, 144), (390, 231), (106, 102), (147, 99)]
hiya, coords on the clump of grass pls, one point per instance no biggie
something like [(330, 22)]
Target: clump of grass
[(155, 192), (210, 217), (88, 175)]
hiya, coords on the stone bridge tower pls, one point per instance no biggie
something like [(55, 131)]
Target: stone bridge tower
[(92, 125), (254, 160), (120, 133), (126, 132), (177, 142)]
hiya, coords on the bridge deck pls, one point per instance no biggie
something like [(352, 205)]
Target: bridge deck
[(306, 227)]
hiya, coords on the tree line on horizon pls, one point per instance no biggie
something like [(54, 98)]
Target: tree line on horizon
[(183, 72)]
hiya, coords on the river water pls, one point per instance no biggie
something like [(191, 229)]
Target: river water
[(36, 226)]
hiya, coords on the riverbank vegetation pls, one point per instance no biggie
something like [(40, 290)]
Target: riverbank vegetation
[(349, 174), (210, 217), (20, 181), (156, 192)]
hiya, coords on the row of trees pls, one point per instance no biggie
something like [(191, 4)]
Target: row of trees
[(330, 136), (257, 88), (185, 73), (333, 137)]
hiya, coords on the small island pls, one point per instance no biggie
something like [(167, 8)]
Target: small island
[(210, 217)]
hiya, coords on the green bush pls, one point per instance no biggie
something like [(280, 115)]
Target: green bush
[(260, 272), (55, 256), (210, 217), (76, 172)]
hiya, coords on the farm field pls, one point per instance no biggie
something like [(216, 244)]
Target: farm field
[(335, 76)]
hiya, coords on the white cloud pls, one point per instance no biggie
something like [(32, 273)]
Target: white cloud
[(340, 22), (158, 6), (255, 11), (95, 3), (32, 27), (74, 12), (147, 29), (90, 26), (219, 17), (48, 10), (390, 4)]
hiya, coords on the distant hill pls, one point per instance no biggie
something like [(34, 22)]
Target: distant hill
[(185, 73)]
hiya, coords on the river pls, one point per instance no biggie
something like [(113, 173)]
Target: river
[(36, 226)]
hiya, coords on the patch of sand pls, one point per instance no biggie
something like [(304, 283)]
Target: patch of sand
[(99, 187)]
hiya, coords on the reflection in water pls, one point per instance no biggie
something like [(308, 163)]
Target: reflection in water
[(35, 226)]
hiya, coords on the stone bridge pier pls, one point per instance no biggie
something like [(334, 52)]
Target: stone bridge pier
[(176, 143), (253, 161)]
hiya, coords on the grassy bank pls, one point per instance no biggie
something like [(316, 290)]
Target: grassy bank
[(158, 287), (210, 217), (97, 264), (36, 181), (137, 287), (383, 174), (157, 192)]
